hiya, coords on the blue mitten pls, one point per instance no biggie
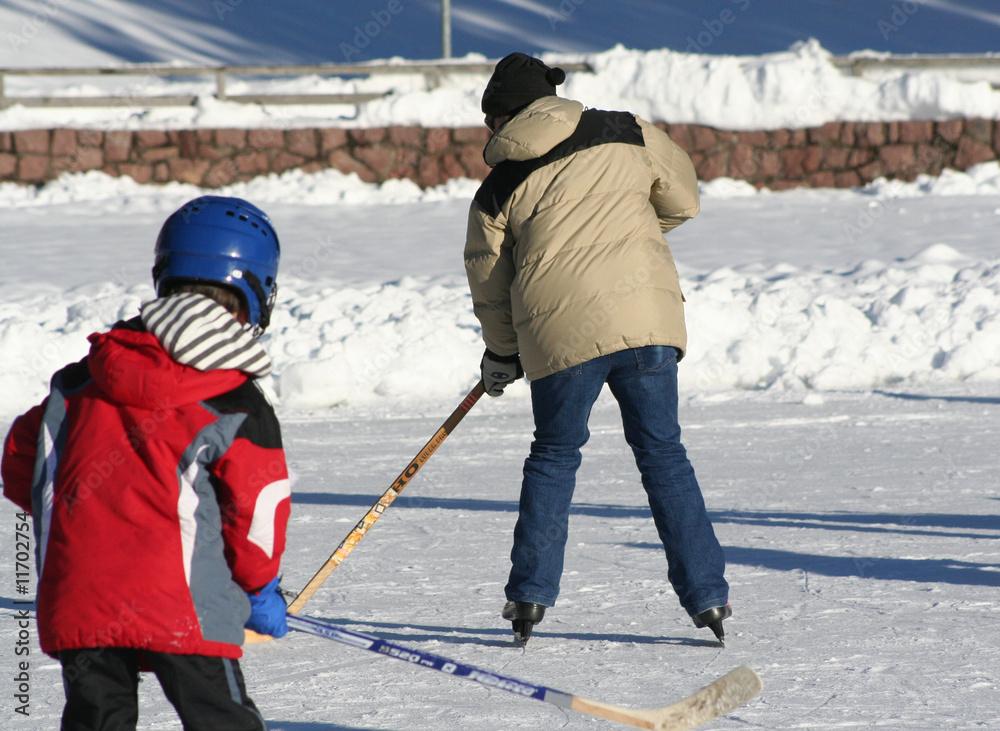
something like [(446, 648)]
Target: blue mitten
[(267, 610)]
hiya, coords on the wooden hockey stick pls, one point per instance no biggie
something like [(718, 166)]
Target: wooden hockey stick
[(375, 512), (718, 698)]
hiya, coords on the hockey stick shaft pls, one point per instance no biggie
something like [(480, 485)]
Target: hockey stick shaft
[(369, 519), (722, 696)]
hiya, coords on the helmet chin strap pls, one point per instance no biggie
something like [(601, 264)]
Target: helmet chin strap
[(264, 301)]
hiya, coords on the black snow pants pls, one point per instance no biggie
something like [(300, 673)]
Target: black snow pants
[(101, 686)]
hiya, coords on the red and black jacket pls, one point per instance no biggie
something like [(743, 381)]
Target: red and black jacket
[(159, 495)]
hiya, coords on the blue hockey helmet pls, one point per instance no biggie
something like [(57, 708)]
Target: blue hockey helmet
[(226, 241)]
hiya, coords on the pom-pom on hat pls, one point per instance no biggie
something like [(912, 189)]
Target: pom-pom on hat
[(518, 80)]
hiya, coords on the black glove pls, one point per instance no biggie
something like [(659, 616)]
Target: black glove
[(499, 371)]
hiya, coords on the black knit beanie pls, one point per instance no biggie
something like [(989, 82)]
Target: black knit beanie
[(518, 80)]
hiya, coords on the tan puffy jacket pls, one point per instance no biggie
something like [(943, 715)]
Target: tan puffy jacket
[(565, 252)]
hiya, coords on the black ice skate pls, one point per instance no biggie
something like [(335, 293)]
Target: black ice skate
[(712, 618), (523, 616)]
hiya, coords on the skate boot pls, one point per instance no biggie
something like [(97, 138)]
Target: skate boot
[(712, 618), (523, 617)]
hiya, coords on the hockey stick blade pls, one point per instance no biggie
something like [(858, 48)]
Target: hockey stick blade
[(724, 695), (717, 699)]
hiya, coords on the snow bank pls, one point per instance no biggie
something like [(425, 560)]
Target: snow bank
[(982, 179), (327, 187), (413, 338), (331, 187), (934, 317), (796, 88)]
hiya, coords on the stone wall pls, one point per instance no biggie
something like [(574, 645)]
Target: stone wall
[(841, 154)]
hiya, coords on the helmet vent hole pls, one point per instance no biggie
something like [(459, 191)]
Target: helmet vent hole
[(254, 224), (244, 217), (230, 213)]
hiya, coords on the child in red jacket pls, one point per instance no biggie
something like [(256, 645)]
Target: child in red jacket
[(157, 484)]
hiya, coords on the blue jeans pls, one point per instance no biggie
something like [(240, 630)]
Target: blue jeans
[(644, 382)]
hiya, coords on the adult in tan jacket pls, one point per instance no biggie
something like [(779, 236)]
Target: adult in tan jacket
[(571, 279)]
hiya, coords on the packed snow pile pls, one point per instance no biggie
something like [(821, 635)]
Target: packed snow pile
[(332, 187), (933, 317), (380, 312), (796, 88), (324, 188), (981, 179)]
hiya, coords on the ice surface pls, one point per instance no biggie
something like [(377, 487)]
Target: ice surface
[(862, 540)]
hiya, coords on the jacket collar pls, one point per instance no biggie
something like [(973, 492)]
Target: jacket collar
[(197, 331), (534, 131)]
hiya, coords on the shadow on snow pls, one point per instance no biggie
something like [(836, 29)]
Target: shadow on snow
[(917, 524), (313, 726), (474, 636), (929, 397), (932, 571), (12, 603), (899, 523)]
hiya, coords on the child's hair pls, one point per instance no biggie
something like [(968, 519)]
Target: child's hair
[(225, 296)]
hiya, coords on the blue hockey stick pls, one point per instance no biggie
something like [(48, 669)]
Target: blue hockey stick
[(725, 694)]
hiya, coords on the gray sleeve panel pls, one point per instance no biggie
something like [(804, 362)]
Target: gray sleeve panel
[(51, 441), (222, 606), (50, 445)]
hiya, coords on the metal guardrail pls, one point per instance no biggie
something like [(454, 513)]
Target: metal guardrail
[(858, 65), (433, 72), (182, 100)]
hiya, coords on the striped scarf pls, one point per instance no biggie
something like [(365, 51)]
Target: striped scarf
[(199, 332)]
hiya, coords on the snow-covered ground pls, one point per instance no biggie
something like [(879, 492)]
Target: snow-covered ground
[(799, 87), (841, 404), (802, 290)]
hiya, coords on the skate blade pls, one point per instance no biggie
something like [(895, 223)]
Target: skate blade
[(522, 631)]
